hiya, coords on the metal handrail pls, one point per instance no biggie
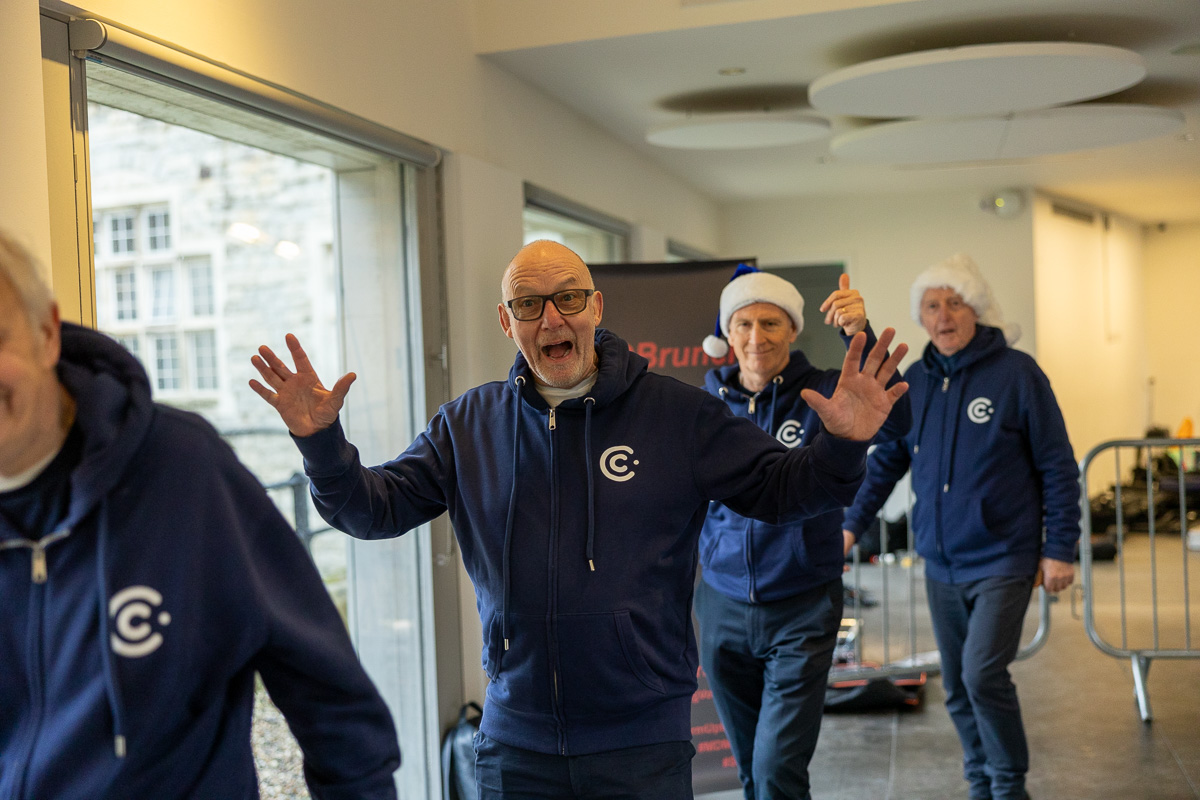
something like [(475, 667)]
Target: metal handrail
[(298, 484)]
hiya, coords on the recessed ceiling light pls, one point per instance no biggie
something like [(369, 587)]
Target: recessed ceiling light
[(738, 131), (977, 79), (729, 71)]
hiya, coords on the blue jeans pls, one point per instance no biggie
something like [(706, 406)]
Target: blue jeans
[(651, 772), (978, 630), (768, 665)]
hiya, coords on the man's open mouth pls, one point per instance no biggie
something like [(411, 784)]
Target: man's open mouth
[(558, 350)]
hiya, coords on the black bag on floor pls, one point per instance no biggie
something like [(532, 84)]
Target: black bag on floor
[(875, 694), (458, 756)]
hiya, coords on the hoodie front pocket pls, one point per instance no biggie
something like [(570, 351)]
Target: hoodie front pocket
[(492, 647), (604, 668)]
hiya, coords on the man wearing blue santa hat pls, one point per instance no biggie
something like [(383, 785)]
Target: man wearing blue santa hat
[(770, 601)]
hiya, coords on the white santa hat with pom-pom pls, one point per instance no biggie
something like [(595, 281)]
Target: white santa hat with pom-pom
[(747, 287), (960, 273)]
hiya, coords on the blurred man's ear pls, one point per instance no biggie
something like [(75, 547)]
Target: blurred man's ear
[(49, 336)]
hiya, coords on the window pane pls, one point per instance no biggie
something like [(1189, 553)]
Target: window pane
[(131, 343), (202, 345), (200, 280), (125, 293), (256, 233), (166, 361), (158, 229), (121, 226), (163, 283), (594, 245)]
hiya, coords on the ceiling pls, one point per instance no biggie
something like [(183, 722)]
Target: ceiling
[(632, 82)]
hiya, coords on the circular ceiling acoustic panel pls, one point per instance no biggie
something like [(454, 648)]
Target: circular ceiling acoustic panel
[(977, 80), (1027, 135), (738, 131)]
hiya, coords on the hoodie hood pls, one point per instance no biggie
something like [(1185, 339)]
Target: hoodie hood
[(797, 372), (987, 342), (619, 368), (113, 410)]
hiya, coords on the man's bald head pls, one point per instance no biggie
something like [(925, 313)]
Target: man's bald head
[(539, 255)]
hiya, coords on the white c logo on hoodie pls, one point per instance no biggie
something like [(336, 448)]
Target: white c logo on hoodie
[(612, 463), (790, 433), (979, 410), (131, 610)]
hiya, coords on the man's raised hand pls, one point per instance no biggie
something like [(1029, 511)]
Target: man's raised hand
[(845, 308), (861, 402), (303, 403)]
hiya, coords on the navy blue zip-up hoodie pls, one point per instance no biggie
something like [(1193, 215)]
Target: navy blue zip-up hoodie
[(991, 465), (760, 562), (579, 527), (128, 665)]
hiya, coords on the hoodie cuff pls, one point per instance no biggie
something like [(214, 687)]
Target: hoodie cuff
[(1059, 552), (326, 452), (845, 458)]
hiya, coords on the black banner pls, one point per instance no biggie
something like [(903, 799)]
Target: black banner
[(665, 310)]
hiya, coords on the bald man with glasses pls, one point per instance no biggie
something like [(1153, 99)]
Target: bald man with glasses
[(577, 489)]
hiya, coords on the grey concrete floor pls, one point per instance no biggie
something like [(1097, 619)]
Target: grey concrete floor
[(1087, 740)]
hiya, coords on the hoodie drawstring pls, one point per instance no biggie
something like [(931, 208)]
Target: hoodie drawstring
[(962, 392), (931, 381), (512, 509), (588, 403), (112, 689), (775, 384)]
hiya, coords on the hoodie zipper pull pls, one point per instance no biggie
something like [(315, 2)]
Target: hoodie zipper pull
[(945, 383), (39, 564), (552, 423), (752, 399)]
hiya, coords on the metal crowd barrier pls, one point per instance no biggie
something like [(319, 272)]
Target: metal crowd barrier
[(1158, 525), (911, 659)]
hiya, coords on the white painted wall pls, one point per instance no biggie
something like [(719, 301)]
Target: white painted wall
[(25, 203), (1172, 270), (886, 240), (1091, 322)]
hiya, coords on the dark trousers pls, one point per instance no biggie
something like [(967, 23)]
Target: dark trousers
[(652, 772), (768, 665), (978, 630)]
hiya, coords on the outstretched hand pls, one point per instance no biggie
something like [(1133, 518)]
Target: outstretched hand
[(861, 402), (303, 403), (845, 308)]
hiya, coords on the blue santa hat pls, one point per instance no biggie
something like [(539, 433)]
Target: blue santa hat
[(749, 286)]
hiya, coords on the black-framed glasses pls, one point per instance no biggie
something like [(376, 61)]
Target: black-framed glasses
[(568, 302)]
